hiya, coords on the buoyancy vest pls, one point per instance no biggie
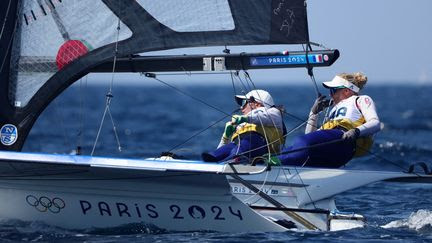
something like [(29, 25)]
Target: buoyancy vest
[(275, 138), (346, 115)]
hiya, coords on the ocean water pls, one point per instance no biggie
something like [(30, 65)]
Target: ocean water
[(153, 119)]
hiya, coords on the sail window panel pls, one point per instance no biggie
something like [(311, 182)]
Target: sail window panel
[(28, 85), (55, 34), (191, 15), (92, 21)]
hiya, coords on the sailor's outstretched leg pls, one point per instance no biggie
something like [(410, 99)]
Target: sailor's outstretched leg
[(331, 155), (250, 145)]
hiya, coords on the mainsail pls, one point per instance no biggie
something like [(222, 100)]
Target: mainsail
[(49, 44)]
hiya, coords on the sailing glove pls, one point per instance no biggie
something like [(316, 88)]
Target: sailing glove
[(320, 103), (237, 119), (351, 135), (274, 161), (229, 130)]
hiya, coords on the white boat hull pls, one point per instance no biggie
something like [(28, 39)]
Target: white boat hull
[(85, 211), (78, 192), (174, 202)]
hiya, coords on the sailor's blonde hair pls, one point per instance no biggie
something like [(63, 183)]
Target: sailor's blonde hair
[(358, 79)]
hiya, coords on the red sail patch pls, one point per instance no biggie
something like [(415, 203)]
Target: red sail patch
[(69, 51)]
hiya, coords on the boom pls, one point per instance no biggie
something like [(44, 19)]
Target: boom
[(242, 61)]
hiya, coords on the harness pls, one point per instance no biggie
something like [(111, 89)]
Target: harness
[(363, 144), (275, 138)]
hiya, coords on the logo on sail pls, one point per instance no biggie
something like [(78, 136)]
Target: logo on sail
[(9, 134)]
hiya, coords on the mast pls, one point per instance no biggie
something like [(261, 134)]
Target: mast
[(8, 114)]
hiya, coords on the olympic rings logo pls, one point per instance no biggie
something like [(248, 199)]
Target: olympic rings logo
[(44, 204)]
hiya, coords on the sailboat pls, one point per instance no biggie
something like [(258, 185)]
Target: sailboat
[(47, 45)]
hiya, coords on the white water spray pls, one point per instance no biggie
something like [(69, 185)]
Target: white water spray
[(417, 221)]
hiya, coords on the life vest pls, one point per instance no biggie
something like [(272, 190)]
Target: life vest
[(275, 138), (346, 115)]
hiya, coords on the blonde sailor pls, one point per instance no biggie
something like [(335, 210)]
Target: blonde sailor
[(258, 131), (352, 121)]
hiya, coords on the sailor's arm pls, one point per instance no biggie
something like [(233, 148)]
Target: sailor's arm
[(227, 134), (312, 123), (367, 107), (265, 117)]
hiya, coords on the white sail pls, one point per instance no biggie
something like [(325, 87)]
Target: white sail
[(191, 15), (46, 27)]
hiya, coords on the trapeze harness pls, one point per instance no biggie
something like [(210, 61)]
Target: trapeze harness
[(264, 131), (353, 112), (348, 114), (266, 122)]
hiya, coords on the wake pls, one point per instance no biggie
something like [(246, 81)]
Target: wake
[(420, 220)]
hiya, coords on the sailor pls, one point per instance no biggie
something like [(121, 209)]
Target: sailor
[(258, 131), (346, 133)]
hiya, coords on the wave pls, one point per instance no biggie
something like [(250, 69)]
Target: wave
[(399, 147), (413, 126), (18, 230), (420, 221), (393, 156)]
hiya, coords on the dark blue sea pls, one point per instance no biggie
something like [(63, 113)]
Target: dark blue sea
[(150, 119)]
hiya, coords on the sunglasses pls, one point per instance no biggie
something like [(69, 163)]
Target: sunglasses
[(334, 90), (246, 101)]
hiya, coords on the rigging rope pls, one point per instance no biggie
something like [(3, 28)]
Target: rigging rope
[(232, 82), (152, 75), (319, 45), (304, 186), (5, 19), (310, 69), (246, 84), (109, 97), (303, 121), (8, 46), (260, 189), (201, 131), (248, 81)]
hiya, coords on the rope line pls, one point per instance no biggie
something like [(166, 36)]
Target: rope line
[(100, 128), (109, 97), (8, 47), (151, 75), (115, 130), (304, 186), (5, 19), (201, 131)]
